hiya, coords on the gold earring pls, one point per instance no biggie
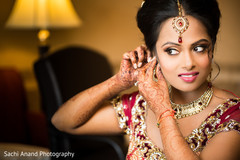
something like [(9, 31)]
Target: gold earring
[(210, 76)]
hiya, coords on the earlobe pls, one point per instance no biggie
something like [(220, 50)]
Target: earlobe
[(212, 58), (210, 55), (158, 61)]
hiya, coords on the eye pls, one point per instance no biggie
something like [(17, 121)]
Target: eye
[(171, 51), (200, 49)]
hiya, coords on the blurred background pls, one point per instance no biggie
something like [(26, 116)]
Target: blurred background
[(108, 26)]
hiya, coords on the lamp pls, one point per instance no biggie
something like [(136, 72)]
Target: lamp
[(43, 15)]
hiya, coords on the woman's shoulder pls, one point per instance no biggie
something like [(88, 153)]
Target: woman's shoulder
[(224, 99), (224, 93), (227, 105)]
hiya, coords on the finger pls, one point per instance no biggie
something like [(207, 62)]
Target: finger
[(146, 54), (159, 73), (133, 59), (143, 45), (126, 62), (149, 55), (126, 56), (142, 72), (145, 67), (140, 51), (150, 69), (140, 75)]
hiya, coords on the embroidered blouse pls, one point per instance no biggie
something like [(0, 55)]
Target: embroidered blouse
[(131, 113)]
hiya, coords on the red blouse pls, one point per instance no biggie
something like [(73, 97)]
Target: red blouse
[(131, 112)]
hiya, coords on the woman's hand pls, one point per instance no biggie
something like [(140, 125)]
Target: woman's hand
[(154, 90), (131, 61)]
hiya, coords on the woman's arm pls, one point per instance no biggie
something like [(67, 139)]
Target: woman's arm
[(175, 146), (80, 108), (155, 92), (89, 112)]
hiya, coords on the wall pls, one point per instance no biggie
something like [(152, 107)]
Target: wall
[(109, 26)]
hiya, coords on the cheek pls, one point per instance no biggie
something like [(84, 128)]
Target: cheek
[(204, 62), (167, 66)]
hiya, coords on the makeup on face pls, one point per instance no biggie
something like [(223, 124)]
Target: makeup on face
[(185, 65), (188, 77)]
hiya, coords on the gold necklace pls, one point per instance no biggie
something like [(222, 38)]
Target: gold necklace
[(185, 110)]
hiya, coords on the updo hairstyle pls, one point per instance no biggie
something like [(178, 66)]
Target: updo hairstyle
[(154, 12)]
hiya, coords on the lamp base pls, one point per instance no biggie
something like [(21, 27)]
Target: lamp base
[(43, 50), (43, 36)]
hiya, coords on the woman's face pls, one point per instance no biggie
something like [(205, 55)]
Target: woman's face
[(185, 65)]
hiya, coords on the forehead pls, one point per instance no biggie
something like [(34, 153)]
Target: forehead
[(195, 32)]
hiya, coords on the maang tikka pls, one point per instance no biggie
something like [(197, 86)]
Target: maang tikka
[(180, 23)]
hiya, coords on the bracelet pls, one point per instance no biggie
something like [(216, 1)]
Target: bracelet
[(161, 118), (170, 110)]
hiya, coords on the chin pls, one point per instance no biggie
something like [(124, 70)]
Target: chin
[(188, 87)]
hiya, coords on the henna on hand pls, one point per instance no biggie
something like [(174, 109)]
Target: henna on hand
[(154, 92), (126, 75), (131, 62)]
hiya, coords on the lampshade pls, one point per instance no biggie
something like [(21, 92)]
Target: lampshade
[(43, 14)]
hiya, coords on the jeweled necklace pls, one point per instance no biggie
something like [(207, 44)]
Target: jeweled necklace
[(185, 110)]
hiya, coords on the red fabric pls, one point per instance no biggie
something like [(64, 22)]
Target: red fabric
[(232, 113), (128, 104)]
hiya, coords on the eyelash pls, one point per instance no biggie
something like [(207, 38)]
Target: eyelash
[(168, 50), (203, 46)]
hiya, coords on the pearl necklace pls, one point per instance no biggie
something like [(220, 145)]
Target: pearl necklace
[(185, 110)]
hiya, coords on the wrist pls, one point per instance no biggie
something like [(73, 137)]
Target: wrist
[(122, 82), (115, 85), (165, 114), (161, 108)]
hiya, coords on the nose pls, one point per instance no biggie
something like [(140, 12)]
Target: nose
[(188, 61)]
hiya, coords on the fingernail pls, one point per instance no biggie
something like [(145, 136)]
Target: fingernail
[(135, 65), (149, 59), (140, 64), (136, 83), (152, 59)]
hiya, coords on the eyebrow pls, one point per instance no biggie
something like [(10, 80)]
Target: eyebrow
[(177, 44), (201, 40), (172, 43)]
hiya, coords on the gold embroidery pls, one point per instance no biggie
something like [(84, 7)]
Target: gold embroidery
[(207, 129), (122, 118), (142, 147)]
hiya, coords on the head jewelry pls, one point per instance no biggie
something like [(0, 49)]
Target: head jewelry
[(180, 23)]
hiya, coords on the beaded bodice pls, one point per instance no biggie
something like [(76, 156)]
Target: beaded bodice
[(131, 113)]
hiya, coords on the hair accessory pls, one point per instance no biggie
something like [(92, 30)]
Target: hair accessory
[(180, 23), (185, 110)]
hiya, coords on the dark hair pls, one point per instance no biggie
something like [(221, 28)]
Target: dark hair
[(154, 12)]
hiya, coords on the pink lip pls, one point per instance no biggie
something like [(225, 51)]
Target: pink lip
[(188, 77)]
